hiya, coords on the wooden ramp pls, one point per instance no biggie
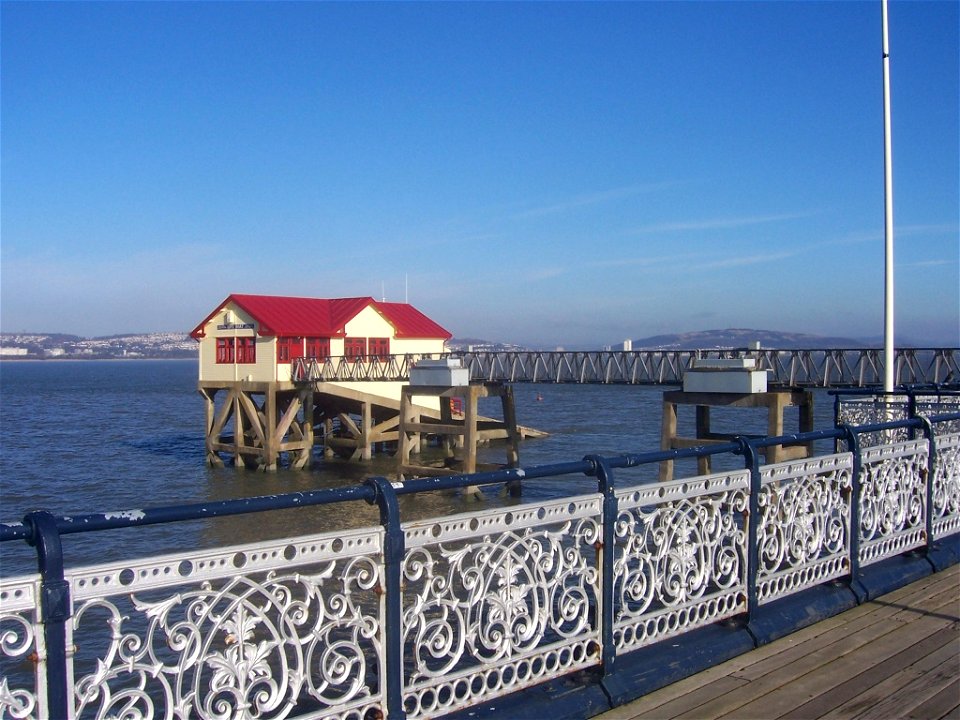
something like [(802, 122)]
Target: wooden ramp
[(895, 657), (379, 420)]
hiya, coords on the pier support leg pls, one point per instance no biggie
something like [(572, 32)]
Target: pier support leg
[(328, 452), (703, 431), (668, 431), (268, 459), (211, 432), (509, 407), (238, 461), (366, 427)]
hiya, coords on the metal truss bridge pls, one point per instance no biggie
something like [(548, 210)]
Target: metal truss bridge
[(795, 368)]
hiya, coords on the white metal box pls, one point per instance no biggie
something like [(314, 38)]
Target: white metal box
[(725, 381), (744, 363), (445, 373)]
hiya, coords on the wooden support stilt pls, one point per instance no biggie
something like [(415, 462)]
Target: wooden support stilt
[(210, 412), (366, 427), (513, 437), (270, 413), (328, 451), (262, 432), (775, 403), (273, 423), (238, 461), (462, 460)]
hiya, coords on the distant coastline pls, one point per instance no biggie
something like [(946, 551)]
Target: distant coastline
[(56, 346), (180, 346)]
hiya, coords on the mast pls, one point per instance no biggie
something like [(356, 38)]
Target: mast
[(888, 213)]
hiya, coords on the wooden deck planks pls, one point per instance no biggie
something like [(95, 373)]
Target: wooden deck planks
[(884, 680), (945, 704), (897, 656), (782, 652)]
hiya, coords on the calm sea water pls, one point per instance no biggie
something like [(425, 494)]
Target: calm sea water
[(95, 436)]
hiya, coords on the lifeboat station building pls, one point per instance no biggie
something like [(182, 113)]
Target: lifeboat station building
[(256, 406)]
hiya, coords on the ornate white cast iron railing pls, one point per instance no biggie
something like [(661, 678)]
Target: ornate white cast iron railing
[(498, 601), (853, 407), (421, 618), (804, 526), (794, 368), (681, 559)]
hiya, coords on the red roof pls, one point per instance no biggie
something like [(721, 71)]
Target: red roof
[(316, 317)]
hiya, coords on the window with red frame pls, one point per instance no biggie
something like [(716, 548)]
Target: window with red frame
[(318, 348), (289, 348), (355, 348), (246, 350), (224, 350), (378, 347)]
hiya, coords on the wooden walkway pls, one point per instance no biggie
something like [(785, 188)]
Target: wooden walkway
[(894, 658)]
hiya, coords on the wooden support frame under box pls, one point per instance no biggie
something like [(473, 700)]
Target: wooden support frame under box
[(460, 438), (775, 403)]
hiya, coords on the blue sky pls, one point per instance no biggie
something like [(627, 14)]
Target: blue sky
[(564, 174)]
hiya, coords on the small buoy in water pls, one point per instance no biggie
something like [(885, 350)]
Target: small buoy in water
[(539, 397)]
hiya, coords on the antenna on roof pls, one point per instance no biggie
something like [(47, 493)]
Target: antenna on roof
[(406, 298), (383, 292)]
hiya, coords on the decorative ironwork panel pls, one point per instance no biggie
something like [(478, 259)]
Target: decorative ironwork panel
[(872, 411), (945, 511), (680, 562), (274, 630), (499, 600), (892, 499), (931, 405), (803, 534), (22, 670)]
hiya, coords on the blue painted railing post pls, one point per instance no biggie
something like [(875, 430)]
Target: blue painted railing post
[(55, 609), (609, 681), (604, 476), (912, 411), (931, 475), (836, 410), (751, 459), (853, 445), (393, 552)]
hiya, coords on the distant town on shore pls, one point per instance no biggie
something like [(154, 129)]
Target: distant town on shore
[(171, 345)]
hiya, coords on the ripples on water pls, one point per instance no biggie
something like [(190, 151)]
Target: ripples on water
[(95, 436)]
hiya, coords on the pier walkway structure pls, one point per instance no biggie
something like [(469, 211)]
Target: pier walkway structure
[(613, 589), (814, 368)]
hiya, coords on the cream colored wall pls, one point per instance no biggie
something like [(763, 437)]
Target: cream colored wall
[(420, 346), (211, 371), (369, 323)]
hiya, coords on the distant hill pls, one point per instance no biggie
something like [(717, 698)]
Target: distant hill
[(743, 337), (702, 340)]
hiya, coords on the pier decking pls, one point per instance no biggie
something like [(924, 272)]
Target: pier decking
[(897, 656)]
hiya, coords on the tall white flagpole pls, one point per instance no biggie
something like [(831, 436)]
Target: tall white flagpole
[(888, 214)]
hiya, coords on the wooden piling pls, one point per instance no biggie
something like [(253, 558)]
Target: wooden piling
[(460, 458), (774, 402), (273, 420)]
